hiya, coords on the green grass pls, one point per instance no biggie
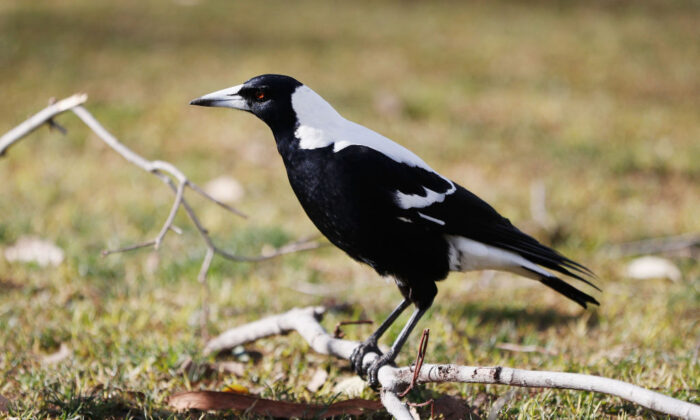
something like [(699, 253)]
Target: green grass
[(598, 101)]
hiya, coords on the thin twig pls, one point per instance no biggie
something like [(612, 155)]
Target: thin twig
[(171, 217), (206, 195), (419, 361), (423, 404), (338, 333), (133, 247), (39, 119), (53, 125)]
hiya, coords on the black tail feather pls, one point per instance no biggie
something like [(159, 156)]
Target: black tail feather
[(565, 289), (527, 246)]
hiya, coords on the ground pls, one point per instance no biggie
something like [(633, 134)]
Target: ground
[(596, 101)]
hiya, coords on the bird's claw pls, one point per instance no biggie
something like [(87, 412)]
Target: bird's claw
[(358, 355), (373, 370)]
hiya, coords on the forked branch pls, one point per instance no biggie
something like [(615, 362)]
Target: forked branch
[(394, 381), (165, 171)]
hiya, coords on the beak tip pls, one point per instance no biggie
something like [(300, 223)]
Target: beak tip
[(198, 101)]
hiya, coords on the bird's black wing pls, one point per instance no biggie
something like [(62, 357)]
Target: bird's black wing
[(467, 215), (463, 213), (431, 201), (425, 200)]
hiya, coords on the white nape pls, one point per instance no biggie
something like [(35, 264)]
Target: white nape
[(320, 125)]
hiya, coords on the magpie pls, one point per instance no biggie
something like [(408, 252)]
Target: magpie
[(385, 207)]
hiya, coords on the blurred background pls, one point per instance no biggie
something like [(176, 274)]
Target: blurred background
[(588, 110)]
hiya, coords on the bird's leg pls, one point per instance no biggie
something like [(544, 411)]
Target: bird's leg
[(370, 345), (395, 348)]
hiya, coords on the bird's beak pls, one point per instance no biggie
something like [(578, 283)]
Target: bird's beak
[(227, 98)]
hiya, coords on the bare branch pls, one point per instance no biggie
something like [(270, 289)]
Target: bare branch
[(39, 119), (306, 321), (134, 247), (171, 217), (165, 171), (159, 168)]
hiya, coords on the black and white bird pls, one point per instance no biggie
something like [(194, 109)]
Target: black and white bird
[(384, 206)]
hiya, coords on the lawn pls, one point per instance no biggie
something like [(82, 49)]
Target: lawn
[(597, 102)]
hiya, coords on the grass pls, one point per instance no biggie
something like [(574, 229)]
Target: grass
[(598, 101)]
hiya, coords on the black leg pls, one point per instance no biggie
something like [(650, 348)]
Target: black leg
[(370, 345), (395, 348)]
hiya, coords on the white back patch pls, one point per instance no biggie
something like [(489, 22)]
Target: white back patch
[(320, 125)]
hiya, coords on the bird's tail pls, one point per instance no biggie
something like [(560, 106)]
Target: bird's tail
[(537, 256), (554, 282)]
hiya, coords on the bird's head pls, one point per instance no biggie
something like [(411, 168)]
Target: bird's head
[(269, 97)]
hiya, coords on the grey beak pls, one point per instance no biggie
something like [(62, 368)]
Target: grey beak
[(226, 98)]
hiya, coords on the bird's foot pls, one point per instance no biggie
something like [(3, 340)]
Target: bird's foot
[(373, 370), (358, 355)]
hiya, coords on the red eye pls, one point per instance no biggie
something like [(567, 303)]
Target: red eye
[(260, 95)]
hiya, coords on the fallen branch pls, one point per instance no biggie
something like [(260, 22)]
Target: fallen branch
[(166, 172), (306, 321)]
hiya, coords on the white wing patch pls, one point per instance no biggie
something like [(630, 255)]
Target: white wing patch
[(432, 219), (417, 201), (469, 255), (320, 126)]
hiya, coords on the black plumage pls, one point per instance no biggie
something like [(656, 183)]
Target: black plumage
[(385, 207)]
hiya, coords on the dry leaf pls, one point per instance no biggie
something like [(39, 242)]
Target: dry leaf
[(224, 189), (645, 268), (36, 250), (317, 380), (63, 352), (212, 400), (236, 389)]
